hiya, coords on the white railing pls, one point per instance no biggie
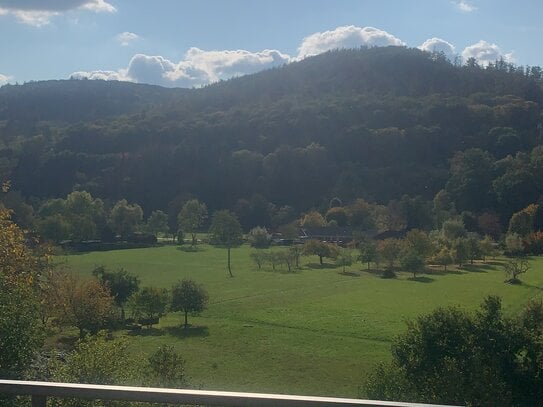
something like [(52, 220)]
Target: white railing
[(39, 391)]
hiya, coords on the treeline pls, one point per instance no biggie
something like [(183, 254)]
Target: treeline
[(375, 124)]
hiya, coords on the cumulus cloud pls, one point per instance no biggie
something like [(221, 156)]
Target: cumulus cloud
[(197, 68), (485, 53), (126, 38), (4, 79), (346, 37), (101, 75), (438, 45), (40, 12), (464, 6)]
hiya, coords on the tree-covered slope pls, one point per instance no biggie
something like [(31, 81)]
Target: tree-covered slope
[(372, 123)]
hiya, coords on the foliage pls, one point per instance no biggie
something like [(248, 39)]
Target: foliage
[(514, 245), (443, 257), (124, 218), (259, 238), (515, 267), (157, 223), (389, 250), (98, 360), (321, 249), (85, 304), (121, 283), (452, 357), (368, 252), (226, 231), (21, 333), (312, 219), (521, 223), (344, 258), (148, 303), (187, 296), (412, 262), (337, 214), (165, 368), (192, 217)]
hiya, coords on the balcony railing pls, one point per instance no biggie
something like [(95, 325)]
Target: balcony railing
[(39, 391)]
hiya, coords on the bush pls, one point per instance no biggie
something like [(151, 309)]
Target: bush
[(259, 238)]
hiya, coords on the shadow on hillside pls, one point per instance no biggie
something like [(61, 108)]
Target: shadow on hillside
[(421, 279), (280, 270), (191, 331), (147, 332), (321, 266), (527, 285)]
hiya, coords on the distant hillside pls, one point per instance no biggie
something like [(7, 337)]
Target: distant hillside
[(373, 123), (80, 100)]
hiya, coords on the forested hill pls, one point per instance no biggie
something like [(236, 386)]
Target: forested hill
[(375, 123)]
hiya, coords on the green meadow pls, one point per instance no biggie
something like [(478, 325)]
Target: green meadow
[(317, 331)]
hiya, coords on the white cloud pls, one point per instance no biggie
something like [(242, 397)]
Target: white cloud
[(101, 75), (438, 45), (4, 79), (39, 13), (197, 68), (485, 53), (126, 38), (464, 6), (346, 37)]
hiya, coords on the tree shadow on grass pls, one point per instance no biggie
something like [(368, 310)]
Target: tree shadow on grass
[(147, 332), (349, 273), (441, 272), (477, 268), (190, 249), (191, 331), (422, 279), (321, 266)]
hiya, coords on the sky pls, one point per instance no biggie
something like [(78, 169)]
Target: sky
[(192, 43)]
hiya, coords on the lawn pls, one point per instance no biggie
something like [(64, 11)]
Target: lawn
[(317, 331)]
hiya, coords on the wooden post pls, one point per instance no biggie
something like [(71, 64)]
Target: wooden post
[(39, 401)]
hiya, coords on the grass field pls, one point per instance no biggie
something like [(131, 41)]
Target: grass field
[(316, 331)]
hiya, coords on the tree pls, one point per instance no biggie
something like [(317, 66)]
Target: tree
[(515, 267), (418, 242), (259, 238), (313, 219), (344, 258), (54, 228), (521, 223), (85, 304), (157, 223), (514, 246), (165, 368), (21, 333), (187, 296), (121, 283), (321, 249), (460, 251), (389, 250), (124, 218), (368, 252), (412, 262), (258, 257), (148, 304), (192, 217), (97, 360), (487, 247), (337, 214), (452, 357), (474, 248), (443, 257), (453, 229), (226, 231)]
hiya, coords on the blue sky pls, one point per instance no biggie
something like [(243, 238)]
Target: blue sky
[(191, 43)]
